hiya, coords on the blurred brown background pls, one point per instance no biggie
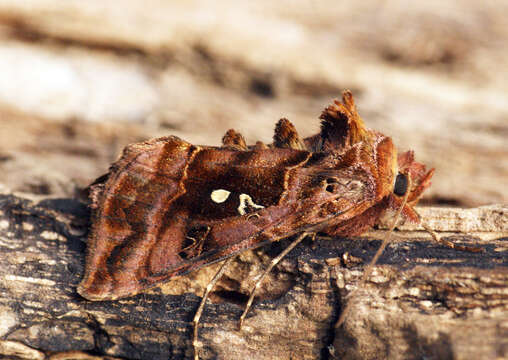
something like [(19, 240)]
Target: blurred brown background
[(81, 79)]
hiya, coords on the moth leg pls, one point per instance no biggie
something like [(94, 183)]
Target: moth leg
[(202, 241), (444, 242), (208, 289), (274, 262), (449, 244), (196, 247), (197, 243), (191, 246)]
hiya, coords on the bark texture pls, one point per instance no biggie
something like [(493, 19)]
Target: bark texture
[(422, 300)]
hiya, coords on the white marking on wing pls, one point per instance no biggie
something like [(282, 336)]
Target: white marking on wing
[(246, 200), (220, 195)]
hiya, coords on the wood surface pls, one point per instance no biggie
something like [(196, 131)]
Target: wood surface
[(422, 300)]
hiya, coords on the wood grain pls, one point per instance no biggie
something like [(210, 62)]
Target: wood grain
[(422, 300)]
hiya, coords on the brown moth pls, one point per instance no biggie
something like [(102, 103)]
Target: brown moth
[(168, 207)]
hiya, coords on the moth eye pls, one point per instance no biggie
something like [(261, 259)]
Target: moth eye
[(400, 187), (329, 182)]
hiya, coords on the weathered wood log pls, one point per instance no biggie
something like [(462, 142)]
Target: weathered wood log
[(422, 300)]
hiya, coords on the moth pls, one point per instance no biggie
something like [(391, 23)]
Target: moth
[(168, 207)]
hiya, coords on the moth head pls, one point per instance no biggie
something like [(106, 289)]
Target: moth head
[(412, 178)]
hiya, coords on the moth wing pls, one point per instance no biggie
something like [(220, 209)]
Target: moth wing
[(126, 210), (155, 216)]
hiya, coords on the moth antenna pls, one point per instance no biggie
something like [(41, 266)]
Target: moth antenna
[(233, 139), (274, 262), (208, 289), (444, 242), (370, 267), (286, 136)]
